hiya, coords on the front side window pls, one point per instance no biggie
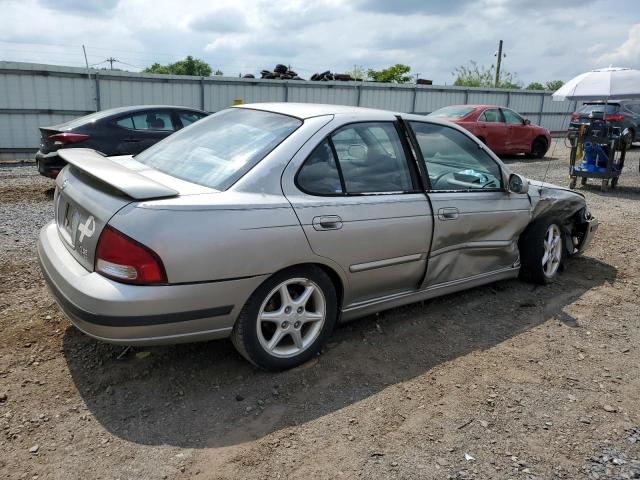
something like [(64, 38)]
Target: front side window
[(187, 118), (221, 148), (146, 121), (491, 115), (454, 161), (512, 117)]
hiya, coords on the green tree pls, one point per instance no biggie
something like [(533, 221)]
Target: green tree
[(188, 66), (535, 86), (395, 74), (554, 84), (474, 75)]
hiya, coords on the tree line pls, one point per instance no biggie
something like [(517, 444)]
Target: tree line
[(471, 75)]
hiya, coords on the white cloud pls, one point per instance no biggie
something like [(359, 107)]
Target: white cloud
[(627, 54), (543, 40)]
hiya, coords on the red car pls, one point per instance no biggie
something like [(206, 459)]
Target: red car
[(503, 130)]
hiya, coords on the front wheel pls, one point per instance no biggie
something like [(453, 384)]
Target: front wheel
[(539, 148), (287, 319), (541, 251)]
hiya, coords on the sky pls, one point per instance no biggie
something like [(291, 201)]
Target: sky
[(543, 39)]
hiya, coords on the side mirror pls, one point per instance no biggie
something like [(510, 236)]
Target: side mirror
[(527, 121), (518, 184)]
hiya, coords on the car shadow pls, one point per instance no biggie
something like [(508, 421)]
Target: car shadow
[(206, 395)]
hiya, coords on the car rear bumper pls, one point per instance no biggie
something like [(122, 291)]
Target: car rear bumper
[(139, 315), (49, 164)]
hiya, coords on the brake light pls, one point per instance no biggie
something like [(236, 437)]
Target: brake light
[(123, 259), (67, 137), (575, 116), (614, 118)]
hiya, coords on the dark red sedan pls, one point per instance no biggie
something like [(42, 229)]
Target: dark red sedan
[(503, 130)]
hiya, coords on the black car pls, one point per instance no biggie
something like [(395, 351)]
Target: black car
[(117, 131), (624, 114)]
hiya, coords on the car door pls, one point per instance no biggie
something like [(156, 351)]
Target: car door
[(493, 130), (142, 129), (358, 201), (520, 135), (477, 222)]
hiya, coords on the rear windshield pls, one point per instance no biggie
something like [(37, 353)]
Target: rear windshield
[(598, 108), (92, 117), (452, 112), (218, 150)]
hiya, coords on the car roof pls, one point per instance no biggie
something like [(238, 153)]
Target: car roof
[(471, 105), (309, 110), (135, 108)]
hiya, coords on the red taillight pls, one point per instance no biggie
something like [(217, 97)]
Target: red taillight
[(123, 259), (614, 118), (575, 116), (67, 137)]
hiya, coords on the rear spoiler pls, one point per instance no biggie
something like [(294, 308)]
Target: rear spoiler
[(121, 178)]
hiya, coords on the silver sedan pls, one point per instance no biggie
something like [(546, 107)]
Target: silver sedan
[(271, 223)]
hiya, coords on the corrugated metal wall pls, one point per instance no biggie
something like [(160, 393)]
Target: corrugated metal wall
[(33, 95)]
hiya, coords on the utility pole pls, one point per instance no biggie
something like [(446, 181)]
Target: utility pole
[(417, 77), (86, 62), (111, 59), (498, 64)]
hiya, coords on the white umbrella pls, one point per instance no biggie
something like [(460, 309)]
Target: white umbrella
[(601, 84)]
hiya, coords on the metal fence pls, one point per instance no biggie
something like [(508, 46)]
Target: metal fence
[(33, 95)]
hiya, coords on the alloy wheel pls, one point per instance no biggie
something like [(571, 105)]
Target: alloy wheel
[(552, 251), (291, 317)]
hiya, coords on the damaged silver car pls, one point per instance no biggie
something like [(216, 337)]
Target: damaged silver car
[(271, 223)]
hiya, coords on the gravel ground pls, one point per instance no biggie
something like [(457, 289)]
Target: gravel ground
[(503, 381)]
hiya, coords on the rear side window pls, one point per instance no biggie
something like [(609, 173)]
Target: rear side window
[(369, 158), (319, 174), (372, 159), (221, 148), (454, 162)]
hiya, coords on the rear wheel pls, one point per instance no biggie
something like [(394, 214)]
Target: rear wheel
[(287, 319), (604, 185), (572, 182), (541, 251), (538, 148), (583, 181), (614, 182)]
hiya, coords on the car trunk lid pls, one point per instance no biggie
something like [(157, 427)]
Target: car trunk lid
[(91, 191), (46, 144)]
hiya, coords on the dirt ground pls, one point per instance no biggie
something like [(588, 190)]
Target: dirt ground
[(504, 381)]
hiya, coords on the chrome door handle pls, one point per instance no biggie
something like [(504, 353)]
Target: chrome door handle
[(327, 222), (448, 213)]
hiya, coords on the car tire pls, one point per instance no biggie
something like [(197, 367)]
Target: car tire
[(539, 148), (287, 320), (542, 251)]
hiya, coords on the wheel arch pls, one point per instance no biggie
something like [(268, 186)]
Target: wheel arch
[(336, 278)]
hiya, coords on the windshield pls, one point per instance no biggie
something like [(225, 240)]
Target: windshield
[(452, 112), (598, 108), (218, 150)]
